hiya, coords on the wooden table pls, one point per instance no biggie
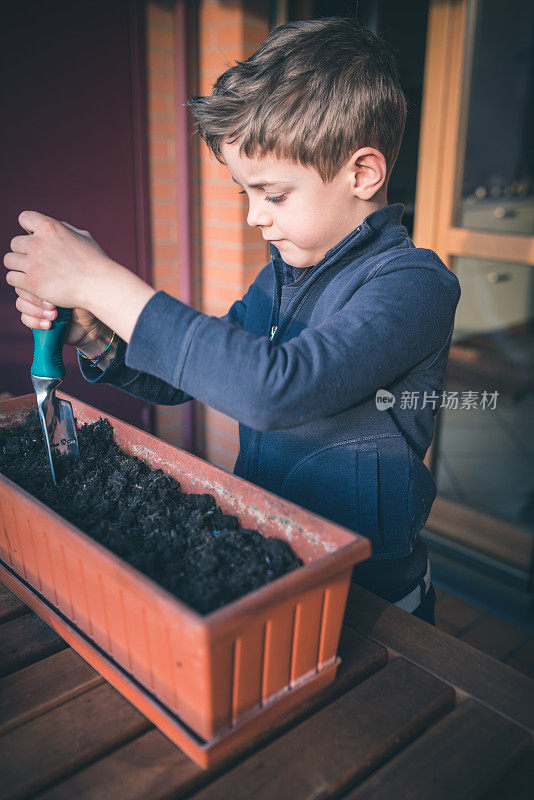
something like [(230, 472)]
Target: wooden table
[(413, 713)]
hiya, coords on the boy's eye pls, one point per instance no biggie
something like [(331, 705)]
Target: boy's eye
[(269, 199)]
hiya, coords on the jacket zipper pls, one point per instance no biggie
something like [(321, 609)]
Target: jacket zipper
[(297, 304)]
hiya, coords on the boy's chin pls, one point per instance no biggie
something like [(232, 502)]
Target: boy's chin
[(300, 261)]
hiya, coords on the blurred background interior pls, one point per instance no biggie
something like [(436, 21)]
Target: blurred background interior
[(95, 133)]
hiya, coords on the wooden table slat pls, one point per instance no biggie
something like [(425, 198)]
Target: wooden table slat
[(10, 605), (518, 783), (460, 757), (151, 767), (25, 640), (343, 741), (53, 745), (495, 685), (147, 768), (41, 686)]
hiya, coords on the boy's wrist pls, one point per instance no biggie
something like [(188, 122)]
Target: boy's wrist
[(96, 345), (117, 296)]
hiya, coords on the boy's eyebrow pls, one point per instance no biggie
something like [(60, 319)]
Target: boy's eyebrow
[(259, 185)]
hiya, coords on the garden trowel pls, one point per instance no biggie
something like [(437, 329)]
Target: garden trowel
[(47, 371)]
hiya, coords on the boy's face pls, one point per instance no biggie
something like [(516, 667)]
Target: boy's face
[(301, 215)]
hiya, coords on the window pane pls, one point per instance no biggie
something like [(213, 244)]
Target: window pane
[(497, 192), (485, 452)]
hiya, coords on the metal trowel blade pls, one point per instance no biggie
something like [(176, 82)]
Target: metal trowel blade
[(65, 441), (59, 428)]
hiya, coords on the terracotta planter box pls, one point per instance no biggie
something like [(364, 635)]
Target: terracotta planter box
[(211, 672)]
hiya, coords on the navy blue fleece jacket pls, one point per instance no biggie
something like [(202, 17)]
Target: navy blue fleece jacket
[(298, 364)]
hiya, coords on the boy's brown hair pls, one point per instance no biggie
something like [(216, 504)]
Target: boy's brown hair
[(313, 93)]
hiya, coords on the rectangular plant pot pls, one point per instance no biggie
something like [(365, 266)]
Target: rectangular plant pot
[(214, 671)]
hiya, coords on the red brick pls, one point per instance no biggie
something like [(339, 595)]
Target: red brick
[(223, 295), (162, 169), (161, 191), (222, 449), (169, 285), (217, 421), (158, 148), (221, 456), (165, 253), (168, 414), (159, 37), (169, 64), (222, 272), (164, 275), (212, 170), (224, 445), (156, 61), (225, 234), (165, 211), (214, 64), (219, 212), (223, 12), (162, 127), (223, 255), (164, 84), (159, 105), (164, 232), (229, 36)]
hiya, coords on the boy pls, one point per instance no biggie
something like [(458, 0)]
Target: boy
[(310, 127)]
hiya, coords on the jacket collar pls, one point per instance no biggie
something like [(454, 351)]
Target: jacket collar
[(379, 223), (373, 224)]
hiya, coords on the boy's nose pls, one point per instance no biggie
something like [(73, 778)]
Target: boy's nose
[(258, 217)]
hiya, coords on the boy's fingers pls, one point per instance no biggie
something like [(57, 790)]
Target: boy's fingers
[(32, 310), (33, 221), (15, 279), (32, 298), (32, 322), (19, 244)]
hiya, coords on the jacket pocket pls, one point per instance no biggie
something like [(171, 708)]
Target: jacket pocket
[(382, 491), (325, 482), (362, 486)]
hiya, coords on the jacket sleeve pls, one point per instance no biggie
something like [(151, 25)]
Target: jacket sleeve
[(142, 384), (388, 326)]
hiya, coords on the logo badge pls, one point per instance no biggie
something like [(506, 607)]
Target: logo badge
[(384, 399)]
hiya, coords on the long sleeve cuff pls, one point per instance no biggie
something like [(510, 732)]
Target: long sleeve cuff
[(112, 373)]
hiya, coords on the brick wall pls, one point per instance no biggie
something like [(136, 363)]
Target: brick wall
[(163, 177), (227, 253)]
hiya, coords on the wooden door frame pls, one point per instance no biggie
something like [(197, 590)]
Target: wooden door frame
[(450, 42)]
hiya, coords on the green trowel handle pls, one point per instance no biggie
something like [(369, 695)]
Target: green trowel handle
[(48, 347)]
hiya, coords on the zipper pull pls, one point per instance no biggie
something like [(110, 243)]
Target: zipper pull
[(273, 331)]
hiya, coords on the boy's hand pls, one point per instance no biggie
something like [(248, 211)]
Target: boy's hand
[(54, 261), (84, 327), (64, 266)]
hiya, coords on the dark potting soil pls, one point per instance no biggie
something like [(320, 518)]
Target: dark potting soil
[(182, 541)]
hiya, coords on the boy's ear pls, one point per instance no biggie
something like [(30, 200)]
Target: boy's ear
[(367, 172)]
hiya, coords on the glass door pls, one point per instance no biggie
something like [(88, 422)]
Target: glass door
[(475, 207)]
